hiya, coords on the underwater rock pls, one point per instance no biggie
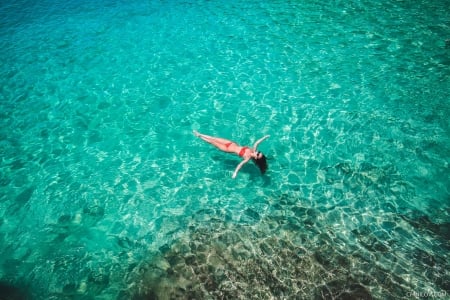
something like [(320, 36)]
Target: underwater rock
[(25, 196), (287, 200), (323, 260), (94, 210), (203, 215), (21, 200), (281, 257), (424, 257), (343, 290), (252, 214), (368, 240), (292, 224), (266, 249), (240, 252), (197, 246), (65, 220), (423, 223), (331, 260), (99, 277), (174, 259), (300, 212), (234, 268), (70, 289), (11, 292), (164, 248), (125, 242), (190, 259), (444, 283), (148, 295), (229, 238)]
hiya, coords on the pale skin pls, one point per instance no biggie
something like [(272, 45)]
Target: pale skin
[(225, 145)]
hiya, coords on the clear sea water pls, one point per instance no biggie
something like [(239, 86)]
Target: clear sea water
[(105, 193)]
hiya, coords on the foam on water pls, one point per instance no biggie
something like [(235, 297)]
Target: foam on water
[(105, 192)]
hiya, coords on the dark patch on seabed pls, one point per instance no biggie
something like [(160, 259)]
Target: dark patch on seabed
[(9, 291), (283, 258), (423, 223)]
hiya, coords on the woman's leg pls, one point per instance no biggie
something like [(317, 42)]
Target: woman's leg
[(222, 144)]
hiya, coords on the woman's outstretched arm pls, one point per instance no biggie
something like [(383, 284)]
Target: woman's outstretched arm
[(239, 167), (259, 141)]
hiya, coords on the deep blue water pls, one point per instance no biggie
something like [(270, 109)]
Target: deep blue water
[(105, 193)]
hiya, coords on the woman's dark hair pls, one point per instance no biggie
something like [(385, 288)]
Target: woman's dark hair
[(261, 163)]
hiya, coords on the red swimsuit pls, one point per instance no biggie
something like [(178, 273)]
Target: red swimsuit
[(241, 153)]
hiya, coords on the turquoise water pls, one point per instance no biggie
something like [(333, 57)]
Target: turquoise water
[(106, 194)]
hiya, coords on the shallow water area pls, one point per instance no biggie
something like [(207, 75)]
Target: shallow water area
[(105, 193)]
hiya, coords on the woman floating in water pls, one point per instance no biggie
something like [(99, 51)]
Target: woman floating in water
[(245, 152)]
